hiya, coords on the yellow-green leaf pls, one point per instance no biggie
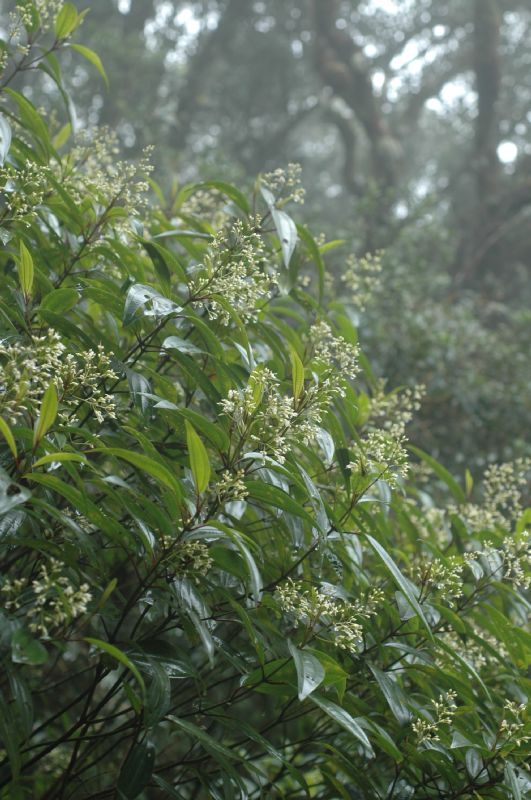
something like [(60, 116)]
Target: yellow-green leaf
[(50, 457), (118, 655), (62, 137), (5, 430), (199, 462), (297, 374), (66, 21), (47, 414), (158, 471), (94, 59), (25, 270)]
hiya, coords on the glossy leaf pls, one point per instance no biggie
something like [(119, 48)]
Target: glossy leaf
[(310, 672)]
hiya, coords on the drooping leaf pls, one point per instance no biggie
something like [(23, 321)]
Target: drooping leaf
[(310, 672), (93, 58), (136, 771), (399, 580), (118, 655), (344, 720)]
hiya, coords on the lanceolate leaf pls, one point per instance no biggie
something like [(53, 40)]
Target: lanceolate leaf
[(47, 414), (297, 374), (136, 771), (93, 57), (119, 656), (399, 580), (310, 672), (344, 720), (199, 462), (147, 465), (25, 270), (5, 431)]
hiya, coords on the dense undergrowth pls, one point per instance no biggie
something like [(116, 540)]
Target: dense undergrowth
[(220, 574)]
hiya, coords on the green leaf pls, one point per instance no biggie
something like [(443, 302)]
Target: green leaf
[(47, 415), (441, 473), (344, 720), (310, 671), (60, 300), (11, 493), (146, 464), (393, 694), (66, 21), (32, 122), (25, 271), (158, 697), (285, 227), (297, 373), (212, 431), (269, 495), (199, 461), (229, 191), (27, 650), (93, 58), (5, 138), (59, 457), (165, 262), (183, 345), (149, 301), (223, 531), (512, 781), (402, 583), (136, 770), (315, 253), (198, 734), (5, 430), (119, 656)]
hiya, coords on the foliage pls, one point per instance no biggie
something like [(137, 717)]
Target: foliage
[(219, 576)]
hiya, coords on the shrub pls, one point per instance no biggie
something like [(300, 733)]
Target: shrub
[(220, 577)]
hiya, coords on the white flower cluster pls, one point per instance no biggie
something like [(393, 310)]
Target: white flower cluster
[(427, 728), (443, 577), (397, 408), (511, 561), (28, 368), (382, 450), (471, 649), (48, 602), (23, 190), (287, 181), (91, 166), (231, 486), (514, 726), (322, 612), (433, 524), (503, 485), (362, 277), (189, 559), (207, 204), (48, 10), (334, 351), (382, 454), (268, 421), (234, 270)]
